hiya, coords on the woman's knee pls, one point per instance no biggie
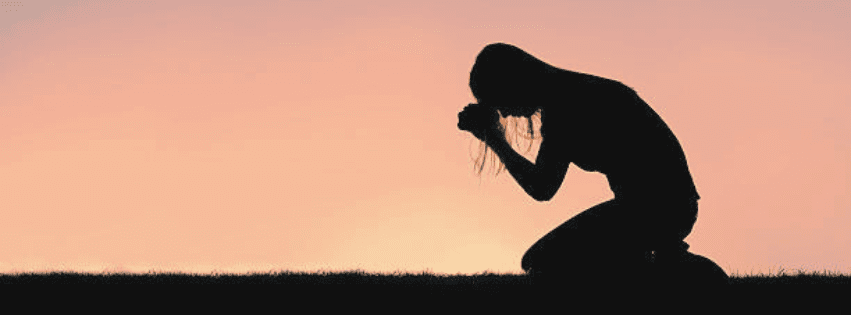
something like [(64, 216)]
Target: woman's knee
[(572, 258), (593, 233)]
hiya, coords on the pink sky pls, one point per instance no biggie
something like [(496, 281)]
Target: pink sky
[(238, 136)]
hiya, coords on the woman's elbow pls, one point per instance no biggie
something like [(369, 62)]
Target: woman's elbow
[(546, 192), (546, 196), (541, 198)]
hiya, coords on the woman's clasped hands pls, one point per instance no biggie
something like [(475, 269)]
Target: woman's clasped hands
[(482, 121)]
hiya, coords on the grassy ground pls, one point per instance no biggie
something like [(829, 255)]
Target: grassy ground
[(483, 280)]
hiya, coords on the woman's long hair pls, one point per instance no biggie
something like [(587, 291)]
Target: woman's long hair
[(524, 133), (507, 73)]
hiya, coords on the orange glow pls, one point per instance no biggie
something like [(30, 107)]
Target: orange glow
[(301, 135)]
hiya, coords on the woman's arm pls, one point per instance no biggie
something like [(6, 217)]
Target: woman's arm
[(540, 180)]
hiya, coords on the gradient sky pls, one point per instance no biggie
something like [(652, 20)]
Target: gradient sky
[(237, 136)]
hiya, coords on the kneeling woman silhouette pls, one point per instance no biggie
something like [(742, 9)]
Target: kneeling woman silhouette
[(600, 125)]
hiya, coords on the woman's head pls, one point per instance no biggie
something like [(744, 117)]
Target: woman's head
[(513, 82), (505, 76)]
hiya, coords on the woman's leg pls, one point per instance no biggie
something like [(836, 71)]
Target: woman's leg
[(599, 241), (671, 224), (674, 264)]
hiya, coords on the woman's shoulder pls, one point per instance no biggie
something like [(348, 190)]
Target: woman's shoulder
[(586, 99)]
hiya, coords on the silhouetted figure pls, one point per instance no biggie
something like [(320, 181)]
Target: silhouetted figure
[(600, 125)]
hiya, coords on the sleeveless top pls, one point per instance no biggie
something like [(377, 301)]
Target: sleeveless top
[(609, 129)]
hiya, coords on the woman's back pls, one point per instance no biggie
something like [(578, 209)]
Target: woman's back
[(605, 127)]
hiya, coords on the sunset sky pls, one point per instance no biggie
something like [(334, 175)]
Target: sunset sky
[(256, 136)]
